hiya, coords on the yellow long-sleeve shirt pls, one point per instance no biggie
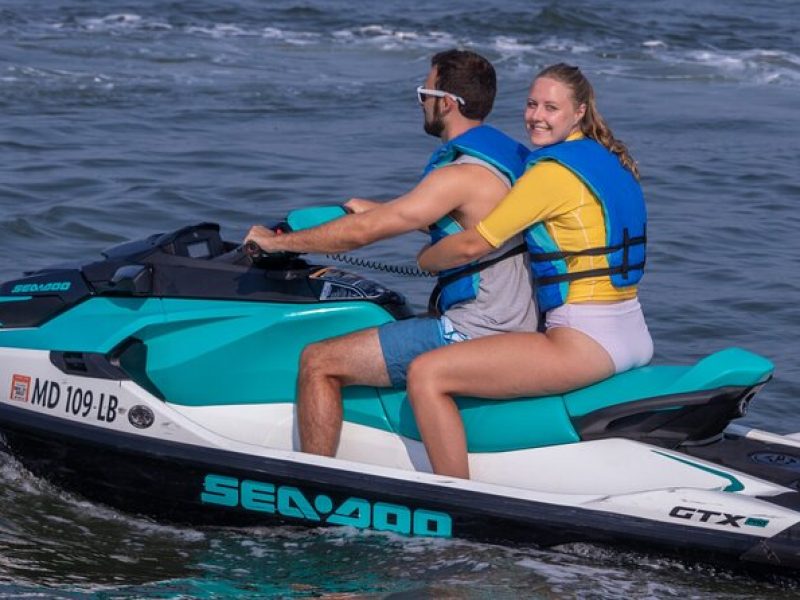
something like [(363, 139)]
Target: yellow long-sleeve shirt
[(550, 193)]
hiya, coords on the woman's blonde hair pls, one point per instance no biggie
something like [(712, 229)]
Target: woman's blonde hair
[(592, 125)]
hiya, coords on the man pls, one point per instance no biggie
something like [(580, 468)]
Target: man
[(464, 180)]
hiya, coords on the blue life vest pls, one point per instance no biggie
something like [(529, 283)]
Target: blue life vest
[(621, 198), (507, 156)]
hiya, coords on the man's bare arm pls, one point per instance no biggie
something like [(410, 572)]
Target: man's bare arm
[(438, 194)]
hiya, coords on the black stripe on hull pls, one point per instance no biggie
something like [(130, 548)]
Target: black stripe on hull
[(164, 480)]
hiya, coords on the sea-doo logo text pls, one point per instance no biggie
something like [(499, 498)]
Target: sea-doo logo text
[(54, 286), (777, 459), (705, 516), (292, 502)]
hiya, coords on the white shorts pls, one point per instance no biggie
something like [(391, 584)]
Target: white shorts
[(618, 327)]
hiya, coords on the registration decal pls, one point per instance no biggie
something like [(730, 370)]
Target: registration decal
[(20, 388), (74, 400)]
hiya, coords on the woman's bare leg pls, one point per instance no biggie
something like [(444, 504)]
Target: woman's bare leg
[(499, 366), (437, 416)]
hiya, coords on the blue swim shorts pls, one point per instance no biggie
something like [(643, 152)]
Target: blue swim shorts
[(402, 341)]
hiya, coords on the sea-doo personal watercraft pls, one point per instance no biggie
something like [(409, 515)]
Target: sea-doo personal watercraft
[(161, 380)]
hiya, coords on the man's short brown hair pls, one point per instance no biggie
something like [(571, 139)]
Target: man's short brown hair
[(470, 76)]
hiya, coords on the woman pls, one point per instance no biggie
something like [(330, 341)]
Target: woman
[(582, 213)]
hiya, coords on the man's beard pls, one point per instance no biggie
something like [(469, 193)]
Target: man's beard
[(435, 126)]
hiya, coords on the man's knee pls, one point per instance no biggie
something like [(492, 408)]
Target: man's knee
[(327, 359), (317, 360)]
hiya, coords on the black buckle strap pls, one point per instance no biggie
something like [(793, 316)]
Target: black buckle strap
[(601, 251), (562, 277), (433, 300)]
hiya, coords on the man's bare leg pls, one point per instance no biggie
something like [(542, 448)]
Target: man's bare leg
[(325, 367)]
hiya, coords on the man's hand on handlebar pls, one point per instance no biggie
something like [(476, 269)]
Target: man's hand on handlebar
[(260, 245), (360, 205), (262, 236)]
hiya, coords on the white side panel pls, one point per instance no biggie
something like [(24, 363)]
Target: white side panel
[(365, 444), (273, 426), (613, 466), (269, 425), (28, 380), (716, 511)]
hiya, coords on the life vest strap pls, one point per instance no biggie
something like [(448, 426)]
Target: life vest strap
[(600, 251), (562, 277), (433, 301)]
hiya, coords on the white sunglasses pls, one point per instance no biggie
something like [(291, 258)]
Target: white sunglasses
[(422, 94)]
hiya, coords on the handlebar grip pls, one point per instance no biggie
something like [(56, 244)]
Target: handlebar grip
[(252, 249)]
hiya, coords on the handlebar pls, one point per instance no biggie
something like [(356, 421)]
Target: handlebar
[(252, 249), (260, 257), (296, 220)]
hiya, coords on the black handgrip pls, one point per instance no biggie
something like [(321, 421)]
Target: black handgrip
[(277, 260), (252, 249)]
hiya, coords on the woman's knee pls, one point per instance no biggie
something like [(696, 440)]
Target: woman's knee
[(422, 377)]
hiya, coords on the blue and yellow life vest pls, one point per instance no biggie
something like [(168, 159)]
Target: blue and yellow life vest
[(622, 201), (502, 152)]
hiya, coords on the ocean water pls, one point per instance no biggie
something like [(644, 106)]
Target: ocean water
[(120, 119)]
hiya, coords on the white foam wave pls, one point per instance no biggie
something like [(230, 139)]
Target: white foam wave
[(57, 78), (389, 39), (116, 22), (220, 30), (12, 472), (755, 65), (14, 475), (513, 48), (273, 33), (557, 44), (510, 46), (382, 36), (141, 525)]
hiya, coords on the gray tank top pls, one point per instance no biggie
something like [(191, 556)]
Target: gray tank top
[(505, 300)]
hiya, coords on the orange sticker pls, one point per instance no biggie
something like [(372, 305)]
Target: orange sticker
[(20, 388)]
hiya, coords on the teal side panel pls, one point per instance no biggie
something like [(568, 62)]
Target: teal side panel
[(502, 425), (95, 325), (362, 405), (494, 425), (305, 218), (729, 367), (398, 412), (207, 352), (222, 352)]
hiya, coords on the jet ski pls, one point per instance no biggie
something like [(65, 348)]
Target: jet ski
[(161, 379)]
